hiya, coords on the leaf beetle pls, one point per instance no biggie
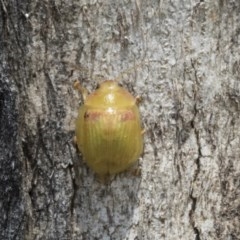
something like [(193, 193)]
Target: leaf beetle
[(108, 128)]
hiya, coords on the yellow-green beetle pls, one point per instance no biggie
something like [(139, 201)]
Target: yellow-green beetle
[(108, 128)]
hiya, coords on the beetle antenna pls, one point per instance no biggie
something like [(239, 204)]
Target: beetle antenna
[(83, 91)]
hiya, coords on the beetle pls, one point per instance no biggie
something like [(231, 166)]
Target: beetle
[(108, 128)]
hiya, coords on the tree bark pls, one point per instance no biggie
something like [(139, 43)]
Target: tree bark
[(182, 57)]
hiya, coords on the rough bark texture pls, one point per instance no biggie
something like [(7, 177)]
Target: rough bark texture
[(183, 59)]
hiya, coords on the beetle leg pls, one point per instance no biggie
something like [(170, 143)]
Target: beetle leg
[(143, 131), (138, 99), (83, 91), (75, 140), (136, 172)]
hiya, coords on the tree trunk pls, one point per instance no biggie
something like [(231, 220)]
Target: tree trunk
[(182, 57)]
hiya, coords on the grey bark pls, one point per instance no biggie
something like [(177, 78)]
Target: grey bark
[(182, 57)]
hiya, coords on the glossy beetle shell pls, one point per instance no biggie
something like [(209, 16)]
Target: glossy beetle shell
[(108, 129)]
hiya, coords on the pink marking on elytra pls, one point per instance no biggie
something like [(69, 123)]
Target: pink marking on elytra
[(92, 116), (127, 116)]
